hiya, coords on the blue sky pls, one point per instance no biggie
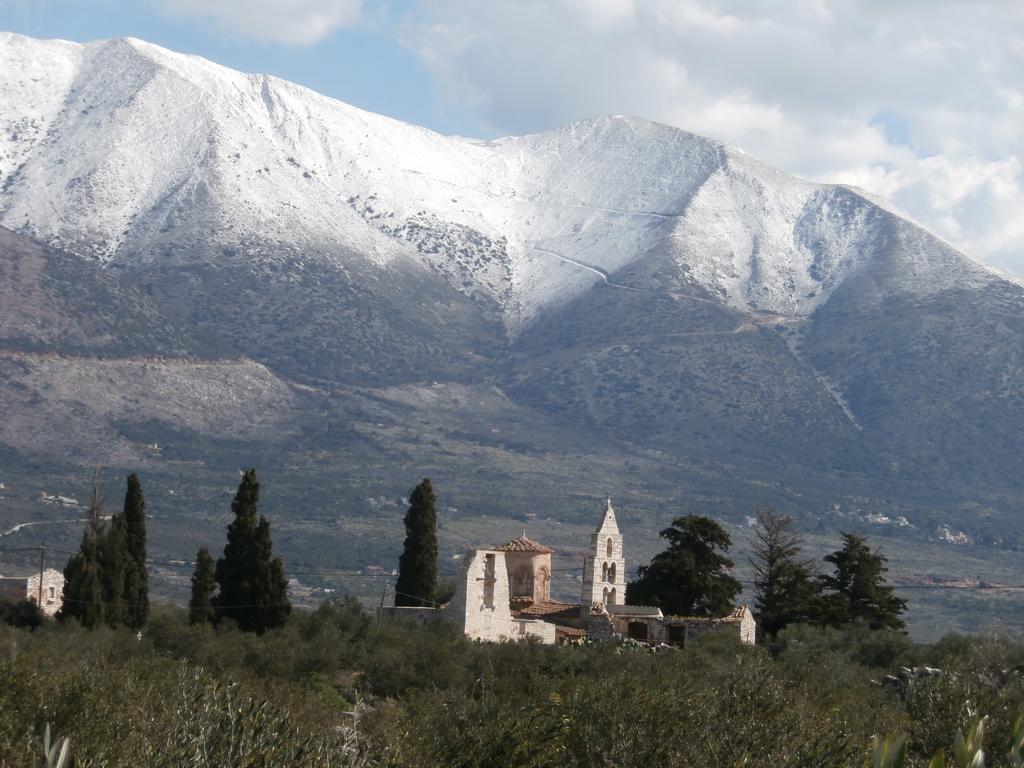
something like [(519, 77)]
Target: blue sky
[(919, 101)]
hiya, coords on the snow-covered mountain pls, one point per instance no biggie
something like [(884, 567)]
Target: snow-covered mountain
[(614, 285), (125, 152)]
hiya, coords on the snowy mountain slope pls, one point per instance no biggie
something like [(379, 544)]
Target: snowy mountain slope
[(614, 283), (131, 154)]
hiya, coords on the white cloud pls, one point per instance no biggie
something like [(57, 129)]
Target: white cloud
[(918, 101), (297, 22)]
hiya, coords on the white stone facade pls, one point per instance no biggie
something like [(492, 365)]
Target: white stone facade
[(604, 569), (505, 594), (16, 588), (482, 602)]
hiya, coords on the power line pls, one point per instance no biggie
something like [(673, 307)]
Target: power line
[(343, 573)]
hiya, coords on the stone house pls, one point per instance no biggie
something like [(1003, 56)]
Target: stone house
[(647, 623), (505, 594), (27, 586)]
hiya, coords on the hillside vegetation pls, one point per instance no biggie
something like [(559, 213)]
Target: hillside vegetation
[(332, 688)]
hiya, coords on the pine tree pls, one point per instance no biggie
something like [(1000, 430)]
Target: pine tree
[(83, 597), (785, 588), (417, 567), (858, 592), (204, 583), (253, 586), (691, 577), (136, 575)]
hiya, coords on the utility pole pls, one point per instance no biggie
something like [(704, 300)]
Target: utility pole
[(380, 610), (42, 564)]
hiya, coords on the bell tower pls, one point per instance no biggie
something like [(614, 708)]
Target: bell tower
[(604, 569)]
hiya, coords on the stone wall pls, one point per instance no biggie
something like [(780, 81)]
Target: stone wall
[(20, 588), (482, 602), (53, 590)]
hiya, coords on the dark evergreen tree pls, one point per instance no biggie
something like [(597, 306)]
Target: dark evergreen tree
[(83, 598), (786, 590), (253, 586), (112, 546), (417, 567), (857, 588), (136, 574), (83, 592), (691, 577), (204, 584)]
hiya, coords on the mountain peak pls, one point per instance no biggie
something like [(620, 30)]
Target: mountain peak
[(128, 163)]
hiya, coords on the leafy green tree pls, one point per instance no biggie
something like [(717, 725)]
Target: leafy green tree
[(857, 588), (253, 586), (786, 590), (204, 584), (417, 567), (691, 577), (136, 575)]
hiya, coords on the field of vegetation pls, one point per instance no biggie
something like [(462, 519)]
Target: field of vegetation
[(331, 688)]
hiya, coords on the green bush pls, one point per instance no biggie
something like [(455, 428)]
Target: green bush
[(329, 688)]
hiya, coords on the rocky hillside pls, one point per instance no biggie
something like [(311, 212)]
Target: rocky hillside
[(241, 270)]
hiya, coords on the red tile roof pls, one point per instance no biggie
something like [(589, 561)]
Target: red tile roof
[(735, 616), (547, 608), (523, 544)]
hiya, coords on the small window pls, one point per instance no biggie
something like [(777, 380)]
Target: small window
[(53, 592), (489, 580), (610, 548), (611, 573)]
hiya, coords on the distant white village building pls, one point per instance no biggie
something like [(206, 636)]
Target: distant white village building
[(27, 586), (505, 594)]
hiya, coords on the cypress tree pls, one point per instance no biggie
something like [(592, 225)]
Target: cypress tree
[(204, 583), (112, 546), (691, 577), (83, 592), (858, 589), (136, 575), (417, 567), (253, 586), (785, 589), (83, 597)]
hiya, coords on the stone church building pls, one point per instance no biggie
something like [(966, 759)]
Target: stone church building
[(505, 594), (49, 595)]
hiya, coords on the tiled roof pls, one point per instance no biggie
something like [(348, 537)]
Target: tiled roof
[(523, 544), (733, 617), (633, 610), (548, 608)]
